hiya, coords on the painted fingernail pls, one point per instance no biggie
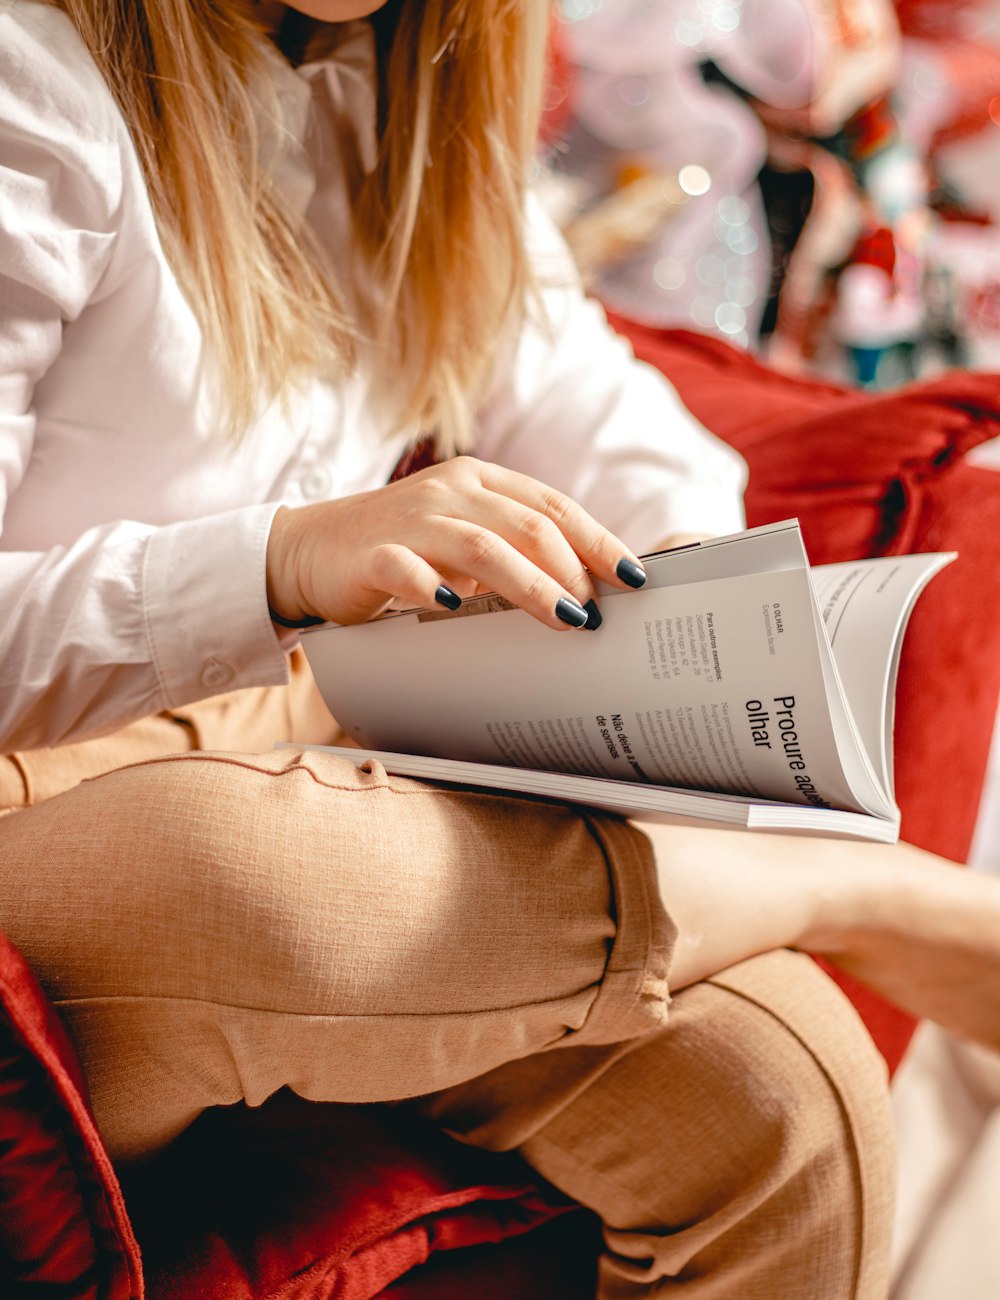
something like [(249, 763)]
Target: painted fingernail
[(448, 598), (594, 617), (571, 612), (632, 574)]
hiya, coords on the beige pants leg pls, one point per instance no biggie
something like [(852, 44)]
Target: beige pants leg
[(213, 927), (741, 1153)]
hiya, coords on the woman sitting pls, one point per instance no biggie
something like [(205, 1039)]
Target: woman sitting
[(249, 253)]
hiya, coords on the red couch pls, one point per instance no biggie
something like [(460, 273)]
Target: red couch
[(298, 1201)]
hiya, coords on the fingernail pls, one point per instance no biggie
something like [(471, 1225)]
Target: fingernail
[(448, 598), (571, 612), (634, 575), (594, 616)]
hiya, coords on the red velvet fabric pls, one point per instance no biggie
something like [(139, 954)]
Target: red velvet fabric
[(302, 1201), (557, 1261), (63, 1228)]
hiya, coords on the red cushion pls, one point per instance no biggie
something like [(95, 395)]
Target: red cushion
[(302, 1201), (880, 474), (63, 1227), (558, 1261)]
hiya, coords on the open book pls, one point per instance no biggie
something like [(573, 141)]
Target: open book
[(738, 686)]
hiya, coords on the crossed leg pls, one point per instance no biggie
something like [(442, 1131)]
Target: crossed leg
[(214, 927), (744, 1150)]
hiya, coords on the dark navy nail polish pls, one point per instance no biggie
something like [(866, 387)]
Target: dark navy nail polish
[(448, 598), (571, 612), (632, 574), (594, 616)]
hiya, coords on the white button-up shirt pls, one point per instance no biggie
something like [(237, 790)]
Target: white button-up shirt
[(134, 533)]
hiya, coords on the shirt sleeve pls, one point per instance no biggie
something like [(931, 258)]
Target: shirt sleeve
[(128, 618), (572, 407)]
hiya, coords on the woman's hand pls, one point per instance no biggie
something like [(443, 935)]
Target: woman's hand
[(441, 534)]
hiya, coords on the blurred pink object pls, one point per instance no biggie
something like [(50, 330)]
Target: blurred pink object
[(643, 106)]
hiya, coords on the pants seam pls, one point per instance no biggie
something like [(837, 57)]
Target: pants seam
[(177, 999), (643, 940)]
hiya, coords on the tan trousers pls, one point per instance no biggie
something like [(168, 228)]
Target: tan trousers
[(216, 925)]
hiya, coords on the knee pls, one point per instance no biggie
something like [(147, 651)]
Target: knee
[(749, 1140), (776, 1073), (787, 1100)]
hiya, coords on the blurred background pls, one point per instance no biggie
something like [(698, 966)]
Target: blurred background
[(818, 182)]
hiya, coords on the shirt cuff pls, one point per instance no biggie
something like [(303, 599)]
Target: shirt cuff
[(205, 606)]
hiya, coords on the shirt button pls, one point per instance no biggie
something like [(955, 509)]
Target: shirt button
[(317, 483), (216, 674)]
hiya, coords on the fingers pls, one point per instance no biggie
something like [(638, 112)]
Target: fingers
[(464, 526), (396, 571), (599, 550), (532, 586), (399, 571), (538, 523), (525, 533), (441, 535)]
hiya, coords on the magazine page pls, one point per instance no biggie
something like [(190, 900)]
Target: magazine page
[(714, 685), (865, 605)]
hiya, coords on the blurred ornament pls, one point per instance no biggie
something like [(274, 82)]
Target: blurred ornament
[(646, 123), (625, 221), (669, 110)]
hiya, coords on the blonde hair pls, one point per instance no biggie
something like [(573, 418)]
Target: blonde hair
[(439, 220)]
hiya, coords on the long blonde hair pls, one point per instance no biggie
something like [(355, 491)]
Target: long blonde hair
[(439, 221)]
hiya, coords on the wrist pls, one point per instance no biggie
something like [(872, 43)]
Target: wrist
[(285, 601)]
